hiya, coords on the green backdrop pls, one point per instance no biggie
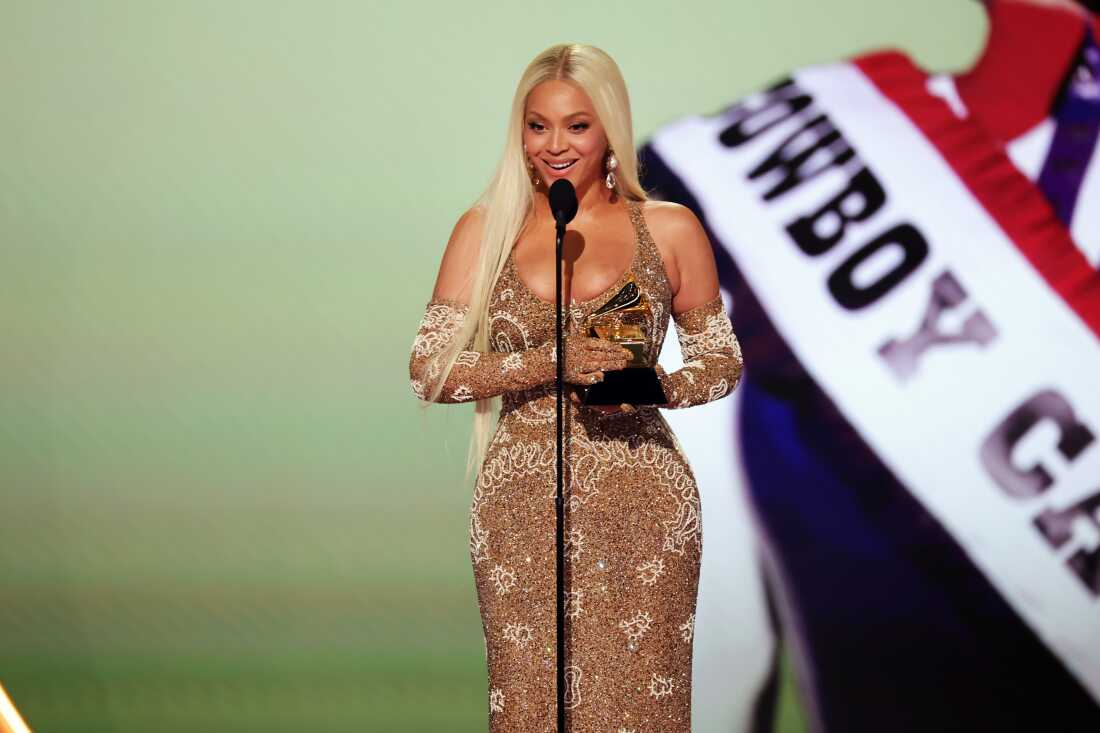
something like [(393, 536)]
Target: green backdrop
[(220, 223)]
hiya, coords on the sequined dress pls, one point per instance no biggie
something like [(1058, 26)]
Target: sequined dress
[(632, 527)]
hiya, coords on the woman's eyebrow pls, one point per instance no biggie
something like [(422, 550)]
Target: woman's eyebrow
[(571, 115)]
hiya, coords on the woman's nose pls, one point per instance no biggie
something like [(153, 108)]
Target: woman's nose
[(557, 143)]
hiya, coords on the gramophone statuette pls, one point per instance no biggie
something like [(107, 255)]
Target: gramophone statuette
[(626, 319)]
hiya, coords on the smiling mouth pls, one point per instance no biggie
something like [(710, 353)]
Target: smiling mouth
[(560, 166)]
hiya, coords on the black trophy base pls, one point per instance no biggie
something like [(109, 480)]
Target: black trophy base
[(633, 385)]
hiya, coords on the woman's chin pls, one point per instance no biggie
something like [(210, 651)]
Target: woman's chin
[(576, 177), (568, 174)]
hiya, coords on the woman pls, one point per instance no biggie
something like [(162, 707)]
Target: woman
[(632, 517)]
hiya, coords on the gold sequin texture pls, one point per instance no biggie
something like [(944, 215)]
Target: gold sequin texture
[(632, 529)]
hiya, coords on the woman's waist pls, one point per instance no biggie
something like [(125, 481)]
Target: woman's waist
[(539, 407)]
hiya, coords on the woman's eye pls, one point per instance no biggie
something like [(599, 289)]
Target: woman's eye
[(535, 126), (580, 126)]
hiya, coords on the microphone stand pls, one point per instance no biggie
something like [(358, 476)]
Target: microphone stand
[(559, 506)]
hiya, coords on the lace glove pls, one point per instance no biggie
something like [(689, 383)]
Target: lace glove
[(479, 375), (712, 357), (475, 375)]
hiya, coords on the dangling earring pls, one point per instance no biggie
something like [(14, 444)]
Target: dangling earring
[(531, 168), (610, 164)]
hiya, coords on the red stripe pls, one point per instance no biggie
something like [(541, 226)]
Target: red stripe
[(1013, 201)]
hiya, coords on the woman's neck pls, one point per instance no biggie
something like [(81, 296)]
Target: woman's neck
[(1027, 55), (592, 196)]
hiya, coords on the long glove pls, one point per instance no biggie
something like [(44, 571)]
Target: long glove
[(712, 357), (476, 374)]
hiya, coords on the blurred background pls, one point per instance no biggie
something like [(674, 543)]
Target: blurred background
[(220, 221)]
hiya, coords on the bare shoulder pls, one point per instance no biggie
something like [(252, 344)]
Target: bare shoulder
[(675, 227), (460, 257), (467, 230), (693, 276)]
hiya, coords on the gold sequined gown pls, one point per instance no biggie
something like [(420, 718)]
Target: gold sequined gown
[(632, 527)]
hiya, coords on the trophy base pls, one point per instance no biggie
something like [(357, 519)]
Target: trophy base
[(633, 385)]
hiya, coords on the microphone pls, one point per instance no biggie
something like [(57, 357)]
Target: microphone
[(563, 205), (563, 202)]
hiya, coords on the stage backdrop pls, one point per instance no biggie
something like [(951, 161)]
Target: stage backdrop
[(220, 223)]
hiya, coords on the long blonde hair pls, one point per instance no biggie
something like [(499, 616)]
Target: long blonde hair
[(510, 198)]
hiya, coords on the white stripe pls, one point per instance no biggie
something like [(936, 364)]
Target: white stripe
[(1028, 151)]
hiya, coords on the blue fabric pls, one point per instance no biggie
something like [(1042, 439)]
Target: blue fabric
[(1077, 119), (902, 631)]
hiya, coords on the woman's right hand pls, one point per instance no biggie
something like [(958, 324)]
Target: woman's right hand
[(587, 358)]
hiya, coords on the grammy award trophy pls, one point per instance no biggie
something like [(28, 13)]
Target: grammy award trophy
[(625, 319)]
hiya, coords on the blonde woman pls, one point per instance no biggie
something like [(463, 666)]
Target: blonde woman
[(632, 526)]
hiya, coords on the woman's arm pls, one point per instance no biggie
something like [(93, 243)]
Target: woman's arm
[(479, 375), (475, 375), (712, 356)]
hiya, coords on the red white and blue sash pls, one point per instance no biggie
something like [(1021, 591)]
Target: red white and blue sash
[(930, 291)]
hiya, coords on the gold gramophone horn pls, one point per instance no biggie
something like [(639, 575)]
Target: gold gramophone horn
[(624, 319)]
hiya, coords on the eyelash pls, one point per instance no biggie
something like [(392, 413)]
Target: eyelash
[(536, 125)]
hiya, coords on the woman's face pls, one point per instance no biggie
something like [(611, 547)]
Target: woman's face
[(563, 135)]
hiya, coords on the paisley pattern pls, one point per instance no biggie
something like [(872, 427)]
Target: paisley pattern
[(633, 535)]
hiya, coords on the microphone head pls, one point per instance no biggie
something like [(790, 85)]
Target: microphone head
[(563, 201)]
